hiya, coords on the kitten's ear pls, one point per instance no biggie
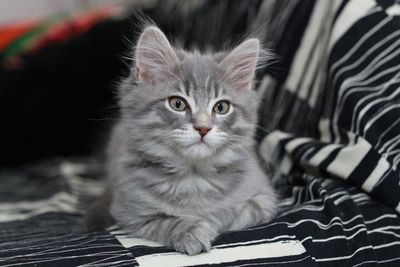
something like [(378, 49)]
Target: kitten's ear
[(155, 57), (239, 65)]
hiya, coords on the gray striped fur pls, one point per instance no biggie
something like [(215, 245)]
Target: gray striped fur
[(166, 185)]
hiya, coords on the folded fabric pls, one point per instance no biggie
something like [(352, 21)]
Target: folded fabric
[(25, 37), (337, 112), (322, 222), (10, 32)]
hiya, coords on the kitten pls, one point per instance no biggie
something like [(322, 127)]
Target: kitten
[(181, 161)]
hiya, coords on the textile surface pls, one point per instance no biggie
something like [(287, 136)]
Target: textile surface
[(329, 119)]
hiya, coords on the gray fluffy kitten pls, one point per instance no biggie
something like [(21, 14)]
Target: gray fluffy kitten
[(181, 161)]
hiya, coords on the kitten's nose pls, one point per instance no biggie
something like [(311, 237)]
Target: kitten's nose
[(202, 131)]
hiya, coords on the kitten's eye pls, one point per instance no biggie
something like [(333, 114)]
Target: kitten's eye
[(222, 107), (178, 104)]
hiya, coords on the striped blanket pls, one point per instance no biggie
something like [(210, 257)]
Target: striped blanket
[(330, 120)]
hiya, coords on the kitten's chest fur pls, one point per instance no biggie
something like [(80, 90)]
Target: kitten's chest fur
[(190, 184)]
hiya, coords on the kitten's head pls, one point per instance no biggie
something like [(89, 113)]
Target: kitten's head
[(190, 104)]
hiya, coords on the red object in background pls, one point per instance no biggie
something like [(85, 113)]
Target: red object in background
[(11, 31), (69, 28)]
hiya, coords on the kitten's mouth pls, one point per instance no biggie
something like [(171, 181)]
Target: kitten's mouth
[(201, 142)]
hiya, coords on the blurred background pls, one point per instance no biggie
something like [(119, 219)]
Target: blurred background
[(60, 62), (11, 10)]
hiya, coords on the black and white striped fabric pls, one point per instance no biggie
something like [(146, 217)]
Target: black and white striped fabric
[(344, 85), (324, 221), (332, 103)]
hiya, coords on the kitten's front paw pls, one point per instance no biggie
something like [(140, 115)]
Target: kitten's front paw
[(187, 242), (194, 240)]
